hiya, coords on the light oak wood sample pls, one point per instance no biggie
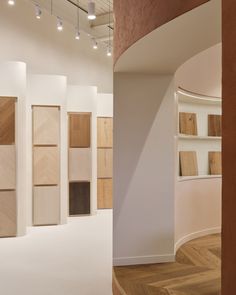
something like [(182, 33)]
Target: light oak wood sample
[(188, 123), (46, 125), (214, 125), (105, 163), (7, 167), (104, 192), (8, 215), (79, 198), (7, 120), (188, 163), (80, 164), (215, 166), (46, 205), (79, 129), (46, 166), (104, 132)]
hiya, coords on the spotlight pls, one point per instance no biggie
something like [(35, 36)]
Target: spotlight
[(59, 24), (95, 44), (38, 11), (11, 2), (77, 35), (109, 51), (91, 10)]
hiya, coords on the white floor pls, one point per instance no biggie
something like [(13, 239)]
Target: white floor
[(75, 258)]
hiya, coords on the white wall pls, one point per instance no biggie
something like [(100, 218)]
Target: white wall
[(46, 51), (13, 83), (104, 105), (202, 73), (144, 168)]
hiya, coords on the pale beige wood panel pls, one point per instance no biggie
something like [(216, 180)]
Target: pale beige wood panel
[(8, 215), (105, 132), (79, 130), (46, 205), (188, 163), (214, 125), (7, 120), (215, 166), (188, 123), (46, 125), (80, 164), (46, 166), (7, 167), (104, 192), (105, 163)]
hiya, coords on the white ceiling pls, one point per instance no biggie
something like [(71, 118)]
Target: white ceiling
[(102, 6), (165, 49)]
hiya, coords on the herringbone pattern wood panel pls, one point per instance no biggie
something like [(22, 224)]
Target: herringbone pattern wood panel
[(7, 120), (195, 272)]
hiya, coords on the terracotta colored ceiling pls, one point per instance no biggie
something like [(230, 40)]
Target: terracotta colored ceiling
[(136, 18)]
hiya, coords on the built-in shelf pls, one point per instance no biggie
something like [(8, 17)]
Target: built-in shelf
[(189, 97), (186, 178), (198, 137)]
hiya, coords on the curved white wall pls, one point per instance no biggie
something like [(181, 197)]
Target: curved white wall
[(202, 73)]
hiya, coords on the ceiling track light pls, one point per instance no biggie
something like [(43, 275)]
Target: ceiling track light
[(77, 35), (11, 2), (95, 44), (38, 11), (91, 10), (109, 53), (59, 24)]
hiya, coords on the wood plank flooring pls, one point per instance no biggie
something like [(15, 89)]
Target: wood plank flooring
[(195, 272)]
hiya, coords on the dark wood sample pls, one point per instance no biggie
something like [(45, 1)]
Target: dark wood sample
[(215, 167), (79, 198), (7, 120), (214, 125), (79, 130), (188, 123)]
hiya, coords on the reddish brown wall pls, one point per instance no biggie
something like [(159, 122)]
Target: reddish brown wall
[(229, 148), (136, 18)]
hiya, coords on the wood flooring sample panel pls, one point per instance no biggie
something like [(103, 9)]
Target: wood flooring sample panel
[(7, 167), (7, 121), (80, 164), (214, 125), (8, 215), (188, 164), (105, 163), (215, 166), (46, 125), (79, 198), (104, 192), (188, 123), (105, 132), (79, 125), (46, 166), (46, 205)]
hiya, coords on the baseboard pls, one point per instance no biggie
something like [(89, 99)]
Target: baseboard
[(121, 261), (195, 235)]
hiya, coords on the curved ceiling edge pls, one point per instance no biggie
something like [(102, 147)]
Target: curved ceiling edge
[(166, 48), (136, 18)]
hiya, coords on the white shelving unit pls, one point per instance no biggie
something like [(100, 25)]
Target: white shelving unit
[(201, 143)]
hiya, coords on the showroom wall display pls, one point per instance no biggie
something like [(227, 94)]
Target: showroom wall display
[(46, 165)]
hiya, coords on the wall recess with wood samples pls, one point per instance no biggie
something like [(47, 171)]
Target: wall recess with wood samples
[(199, 136)]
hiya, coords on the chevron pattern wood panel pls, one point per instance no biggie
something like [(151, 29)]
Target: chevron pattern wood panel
[(104, 132), (197, 271), (46, 205), (8, 215), (79, 129), (7, 121), (105, 163), (7, 167), (46, 125), (80, 164), (104, 192), (46, 166)]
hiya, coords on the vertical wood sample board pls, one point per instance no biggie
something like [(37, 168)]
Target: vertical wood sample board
[(46, 165), (188, 163), (80, 163), (188, 123), (215, 167), (214, 125), (8, 193)]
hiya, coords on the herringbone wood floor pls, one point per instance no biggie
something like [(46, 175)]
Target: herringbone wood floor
[(195, 272)]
